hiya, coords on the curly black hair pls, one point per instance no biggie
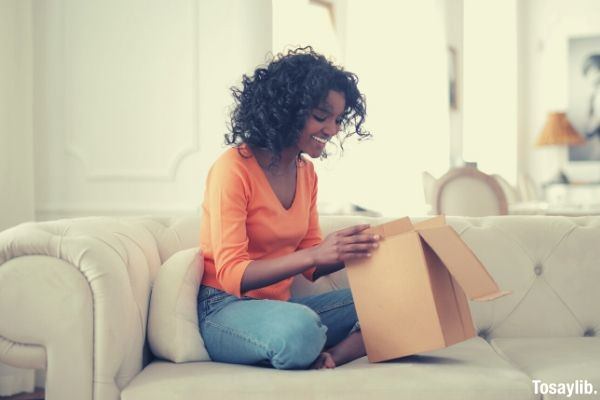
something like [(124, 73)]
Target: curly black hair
[(273, 105)]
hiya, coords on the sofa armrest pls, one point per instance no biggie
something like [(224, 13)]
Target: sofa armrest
[(46, 323), (74, 300)]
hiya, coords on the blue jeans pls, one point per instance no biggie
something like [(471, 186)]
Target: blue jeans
[(284, 334)]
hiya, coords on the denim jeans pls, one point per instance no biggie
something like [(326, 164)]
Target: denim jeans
[(284, 334)]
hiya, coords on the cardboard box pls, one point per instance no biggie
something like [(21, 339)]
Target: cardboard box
[(410, 294)]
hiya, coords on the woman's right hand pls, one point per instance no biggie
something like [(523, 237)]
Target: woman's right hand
[(346, 244)]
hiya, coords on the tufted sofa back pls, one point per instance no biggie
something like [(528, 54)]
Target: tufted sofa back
[(551, 264)]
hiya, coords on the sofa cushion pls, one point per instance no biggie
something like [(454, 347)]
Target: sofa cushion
[(173, 332), (555, 360), (468, 370)]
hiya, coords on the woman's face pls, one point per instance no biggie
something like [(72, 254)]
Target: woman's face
[(322, 124)]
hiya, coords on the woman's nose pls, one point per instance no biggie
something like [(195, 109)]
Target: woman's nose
[(331, 129)]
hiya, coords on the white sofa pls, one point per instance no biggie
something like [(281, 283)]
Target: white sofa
[(74, 297)]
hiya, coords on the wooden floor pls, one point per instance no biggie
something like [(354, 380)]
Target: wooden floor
[(37, 395)]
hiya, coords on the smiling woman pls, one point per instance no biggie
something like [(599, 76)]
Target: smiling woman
[(295, 94), (322, 124), (260, 223)]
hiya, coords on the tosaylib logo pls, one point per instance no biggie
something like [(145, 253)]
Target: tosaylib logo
[(580, 386)]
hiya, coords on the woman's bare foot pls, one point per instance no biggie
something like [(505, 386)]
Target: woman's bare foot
[(348, 349), (325, 360)]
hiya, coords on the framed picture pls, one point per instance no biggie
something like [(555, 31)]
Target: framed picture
[(584, 96), (452, 78)]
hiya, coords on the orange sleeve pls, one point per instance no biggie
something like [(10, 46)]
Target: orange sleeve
[(227, 202), (313, 235)]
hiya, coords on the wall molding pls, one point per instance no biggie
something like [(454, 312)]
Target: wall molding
[(53, 211), (163, 174)]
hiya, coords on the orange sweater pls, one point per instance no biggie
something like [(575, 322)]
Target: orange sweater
[(243, 220)]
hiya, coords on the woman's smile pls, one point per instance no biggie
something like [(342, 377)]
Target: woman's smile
[(319, 140)]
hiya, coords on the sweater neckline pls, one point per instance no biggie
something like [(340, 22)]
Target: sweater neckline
[(263, 177)]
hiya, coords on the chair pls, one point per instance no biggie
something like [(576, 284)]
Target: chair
[(527, 188), (428, 187), (511, 193), (469, 192)]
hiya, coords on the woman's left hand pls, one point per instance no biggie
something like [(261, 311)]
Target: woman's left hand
[(346, 244)]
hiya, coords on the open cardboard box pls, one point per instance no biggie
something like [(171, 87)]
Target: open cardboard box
[(410, 294)]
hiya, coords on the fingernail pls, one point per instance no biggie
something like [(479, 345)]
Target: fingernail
[(368, 254), (375, 244)]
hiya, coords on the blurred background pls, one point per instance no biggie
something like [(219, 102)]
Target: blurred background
[(119, 107)]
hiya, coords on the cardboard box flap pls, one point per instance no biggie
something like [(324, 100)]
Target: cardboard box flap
[(493, 296), (434, 222), (464, 266), (392, 228)]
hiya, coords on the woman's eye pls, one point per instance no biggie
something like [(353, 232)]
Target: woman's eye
[(320, 119)]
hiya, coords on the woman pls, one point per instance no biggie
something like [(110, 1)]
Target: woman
[(260, 224)]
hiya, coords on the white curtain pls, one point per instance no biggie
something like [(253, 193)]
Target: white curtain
[(398, 51)]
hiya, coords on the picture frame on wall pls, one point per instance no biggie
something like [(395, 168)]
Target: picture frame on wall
[(452, 79), (584, 96)]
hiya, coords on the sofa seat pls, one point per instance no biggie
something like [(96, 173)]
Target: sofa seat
[(555, 360), (467, 370)]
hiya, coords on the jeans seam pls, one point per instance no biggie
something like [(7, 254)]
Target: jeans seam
[(334, 306), (238, 334), (215, 299)]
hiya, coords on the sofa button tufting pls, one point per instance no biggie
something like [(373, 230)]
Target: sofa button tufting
[(538, 270), (589, 332), (484, 333)]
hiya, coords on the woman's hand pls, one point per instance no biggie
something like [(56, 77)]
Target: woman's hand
[(346, 244)]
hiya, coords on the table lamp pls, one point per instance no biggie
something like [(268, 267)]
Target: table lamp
[(558, 131)]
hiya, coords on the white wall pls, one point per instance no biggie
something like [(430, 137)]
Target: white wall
[(398, 52), (490, 86), (544, 29), (16, 144), (16, 148), (131, 100), (290, 29)]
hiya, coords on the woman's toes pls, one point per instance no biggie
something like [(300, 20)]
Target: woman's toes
[(328, 362), (325, 360), (319, 362)]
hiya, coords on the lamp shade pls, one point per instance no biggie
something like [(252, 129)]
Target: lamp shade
[(559, 131)]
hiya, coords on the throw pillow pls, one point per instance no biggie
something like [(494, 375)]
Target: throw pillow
[(173, 332)]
